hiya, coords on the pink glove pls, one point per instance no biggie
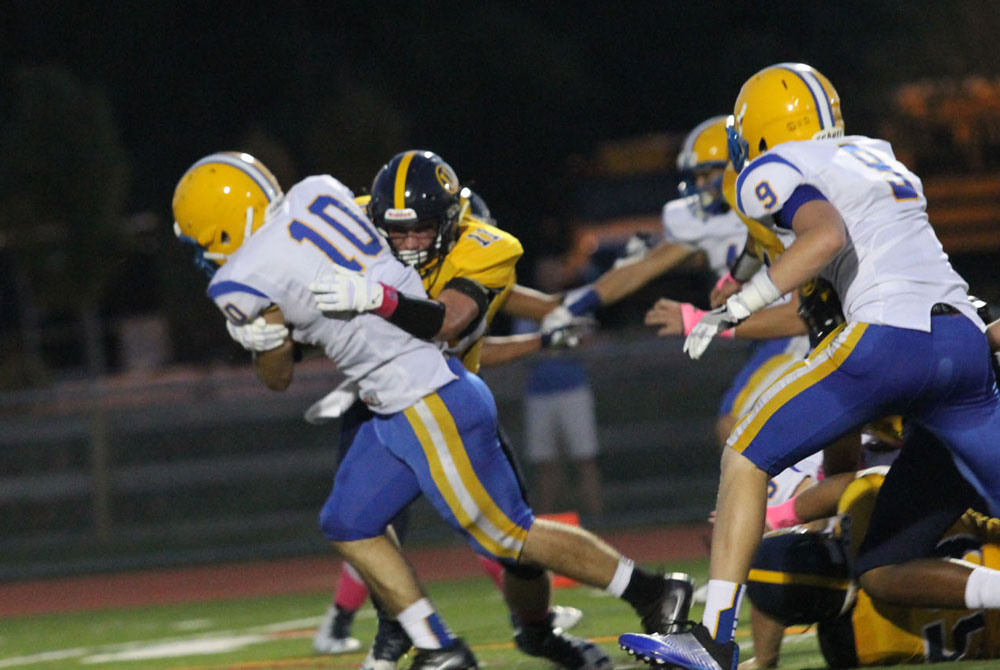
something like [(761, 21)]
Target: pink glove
[(691, 315)]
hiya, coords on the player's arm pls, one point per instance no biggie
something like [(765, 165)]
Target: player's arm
[(498, 350), (627, 278), (820, 235), (465, 302), (527, 303), (275, 366), (676, 318)]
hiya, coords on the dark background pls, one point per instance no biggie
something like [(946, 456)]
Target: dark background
[(105, 105)]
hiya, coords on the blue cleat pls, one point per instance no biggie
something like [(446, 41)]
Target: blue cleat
[(693, 648)]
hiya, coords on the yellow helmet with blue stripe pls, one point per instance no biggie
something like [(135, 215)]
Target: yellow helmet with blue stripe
[(219, 202), (705, 149), (782, 103)]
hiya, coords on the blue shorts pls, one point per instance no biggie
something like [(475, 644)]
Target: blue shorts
[(447, 447), (768, 360), (941, 380)]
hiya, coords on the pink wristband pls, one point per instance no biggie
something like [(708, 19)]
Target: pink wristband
[(691, 315), (390, 301), (725, 279), (783, 515)]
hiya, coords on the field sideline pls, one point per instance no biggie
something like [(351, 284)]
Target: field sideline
[(296, 575)]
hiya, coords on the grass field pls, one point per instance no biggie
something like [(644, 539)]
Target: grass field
[(275, 632)]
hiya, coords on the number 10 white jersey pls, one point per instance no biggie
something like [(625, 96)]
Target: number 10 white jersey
[(318, 225)]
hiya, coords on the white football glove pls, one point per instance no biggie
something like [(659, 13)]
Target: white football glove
[(561, 330), (346, 291), (710, 325), (755, 294), (258, 335)]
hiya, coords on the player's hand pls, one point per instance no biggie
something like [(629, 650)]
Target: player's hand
[(724, 288), (258, 335), (710, 325), (666, 313), (346, 291), (561, 334)]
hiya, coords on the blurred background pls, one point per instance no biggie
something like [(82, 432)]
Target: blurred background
[(132, 430)]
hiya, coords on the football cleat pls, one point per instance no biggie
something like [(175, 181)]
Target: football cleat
[(666, 613), (692, 647), (456, 657), (372, 663), (333, 635), (391, 643), (545, 640), (565, 617)]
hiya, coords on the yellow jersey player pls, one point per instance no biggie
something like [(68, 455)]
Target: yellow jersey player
[(468, 265), (800, 577)]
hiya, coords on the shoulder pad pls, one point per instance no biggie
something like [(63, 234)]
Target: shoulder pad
[(765, 184), (485, 253)]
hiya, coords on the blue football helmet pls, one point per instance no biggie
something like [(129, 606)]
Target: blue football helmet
[(413, 190)]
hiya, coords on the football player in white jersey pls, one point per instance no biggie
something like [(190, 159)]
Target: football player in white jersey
[(434, 426), (912, 343)]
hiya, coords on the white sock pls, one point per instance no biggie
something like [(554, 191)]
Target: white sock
[(722, 608), (422, 623), (982, 590), (623, 575)]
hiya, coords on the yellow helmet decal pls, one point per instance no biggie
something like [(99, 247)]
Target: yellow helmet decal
[(399, 193), (784, 102)]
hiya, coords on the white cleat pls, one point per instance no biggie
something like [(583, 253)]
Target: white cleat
[(565, 617)]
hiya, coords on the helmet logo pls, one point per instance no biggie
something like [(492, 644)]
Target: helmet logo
[(407, 214), (447, 178)]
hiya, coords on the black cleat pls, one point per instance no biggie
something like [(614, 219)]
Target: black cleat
[(391, 643), (456, 657), (568, 651), (670, 610)]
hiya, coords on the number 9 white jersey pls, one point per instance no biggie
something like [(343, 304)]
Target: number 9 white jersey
[(319, 225), (893, 268)]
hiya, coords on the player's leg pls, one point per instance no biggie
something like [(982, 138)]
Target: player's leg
[(541, 439), (450, 439), (355, 519), (333, 636), (933, 486), (922, 496), (813, 403), (578, 423)]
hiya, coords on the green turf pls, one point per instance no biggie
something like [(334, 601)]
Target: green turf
[(275, 633)]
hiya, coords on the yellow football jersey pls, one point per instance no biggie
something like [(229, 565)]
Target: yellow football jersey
[(887, 634), (486, 254)]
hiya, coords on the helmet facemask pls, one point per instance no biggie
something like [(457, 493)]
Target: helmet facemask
[(416, 191)]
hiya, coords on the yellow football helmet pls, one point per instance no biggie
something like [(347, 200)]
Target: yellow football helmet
[(219, 202), (781, 103), (705, 149)]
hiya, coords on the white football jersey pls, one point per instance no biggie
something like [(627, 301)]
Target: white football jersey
[(318, 225), (893, 268), (720, 237)]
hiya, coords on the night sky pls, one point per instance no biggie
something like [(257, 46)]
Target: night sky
[(509, 93)]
